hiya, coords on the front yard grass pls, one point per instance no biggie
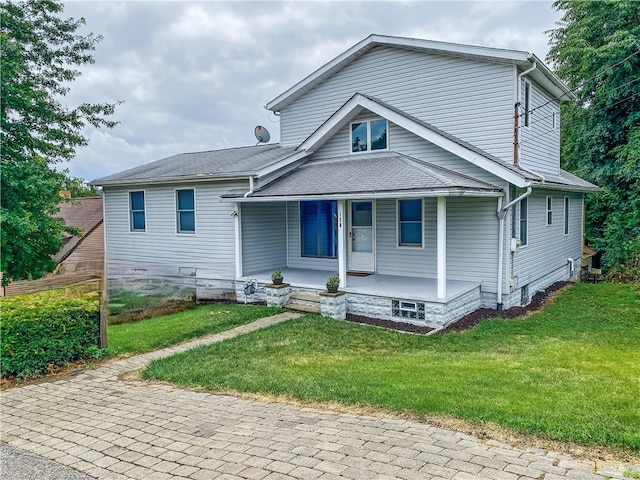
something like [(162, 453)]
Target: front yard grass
[(167, 330), (570, 372)]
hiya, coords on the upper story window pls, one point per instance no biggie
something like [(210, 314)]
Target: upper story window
[(410, 232), (549, 211), (137, 221), (186, 211), (369, 135), (555, 120), (527, 103), (524, 207)]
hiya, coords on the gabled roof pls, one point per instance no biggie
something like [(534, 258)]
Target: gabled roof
[(523, 60), (84, 213), (214, 164), (432, 134), (369, 175)]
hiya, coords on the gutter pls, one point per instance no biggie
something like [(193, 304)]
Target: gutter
[(502, 213), (250, 187)]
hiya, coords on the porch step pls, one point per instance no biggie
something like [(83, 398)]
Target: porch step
[(302, 308), (305, 297)]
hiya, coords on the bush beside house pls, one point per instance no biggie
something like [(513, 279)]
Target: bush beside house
[(45, 330)]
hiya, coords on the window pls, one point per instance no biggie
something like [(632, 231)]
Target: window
[(566, 215), (527, 103), (523, 220), (410, 223), (408, 310), (555, 120), (369, 135), (318, 229), (186, 211), (549, 211), (136, 212)]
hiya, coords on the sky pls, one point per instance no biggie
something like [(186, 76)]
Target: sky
[(195, 76)]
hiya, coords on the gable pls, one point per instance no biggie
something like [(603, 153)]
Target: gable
[(424, 130), (470, 99), (404, 142)]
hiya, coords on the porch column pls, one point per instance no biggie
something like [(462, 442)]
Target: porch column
[(342, 251), (237, 236), (442, 247)]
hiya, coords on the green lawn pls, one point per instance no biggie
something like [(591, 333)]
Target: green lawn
[(570, 372), (166, 330)]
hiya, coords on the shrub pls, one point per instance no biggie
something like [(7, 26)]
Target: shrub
[(627, 271), (46, 329)]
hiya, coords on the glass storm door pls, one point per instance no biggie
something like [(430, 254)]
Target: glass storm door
[(362, 236)]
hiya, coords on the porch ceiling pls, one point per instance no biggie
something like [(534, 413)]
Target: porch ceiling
[(373, 175), (392, 286)]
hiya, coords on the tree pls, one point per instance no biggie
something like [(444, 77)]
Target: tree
[(39, 57), (596, 50)]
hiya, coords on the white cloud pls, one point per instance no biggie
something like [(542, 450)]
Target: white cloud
[(195, 75)]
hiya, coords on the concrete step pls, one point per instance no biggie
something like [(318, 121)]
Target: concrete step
[(302, 308), (303, 297)]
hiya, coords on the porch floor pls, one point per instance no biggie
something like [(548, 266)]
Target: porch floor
[(411, 288)]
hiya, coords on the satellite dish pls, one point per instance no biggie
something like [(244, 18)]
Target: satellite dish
[(262, 134)]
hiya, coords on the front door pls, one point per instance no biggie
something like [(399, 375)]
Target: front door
[(362, 236)]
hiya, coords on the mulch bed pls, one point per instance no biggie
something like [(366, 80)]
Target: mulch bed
[(538, 301)]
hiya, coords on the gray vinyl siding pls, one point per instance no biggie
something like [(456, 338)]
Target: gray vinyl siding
[(264, 236), (540, 143), (548, 248), (472, 242), (160, 250), (470, 99), (295, 259), (407, 143)]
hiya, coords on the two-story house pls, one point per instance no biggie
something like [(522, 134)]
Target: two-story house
[(426, 174)]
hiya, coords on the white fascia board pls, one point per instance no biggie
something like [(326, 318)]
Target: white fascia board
[(369, 195), (274, 105), (562, 91), (283, 163), (172, 180), (344, 113), (486, 53)]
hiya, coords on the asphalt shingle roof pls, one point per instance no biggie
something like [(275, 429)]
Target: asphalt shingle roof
[(368, 173), (210, 164)]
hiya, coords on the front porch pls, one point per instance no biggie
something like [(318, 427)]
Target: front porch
[(390, 297)]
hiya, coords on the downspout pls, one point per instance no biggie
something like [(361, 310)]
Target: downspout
[(502, 213), (250, 187), (517, 150)]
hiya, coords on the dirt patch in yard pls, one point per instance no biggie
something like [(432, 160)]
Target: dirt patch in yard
[(538, 301)]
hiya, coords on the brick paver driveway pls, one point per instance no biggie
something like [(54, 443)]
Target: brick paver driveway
[(109, 428)]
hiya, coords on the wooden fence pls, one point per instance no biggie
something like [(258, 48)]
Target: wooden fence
[(52, 282)]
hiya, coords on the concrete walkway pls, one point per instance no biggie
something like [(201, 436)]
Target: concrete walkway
[(113, 429)]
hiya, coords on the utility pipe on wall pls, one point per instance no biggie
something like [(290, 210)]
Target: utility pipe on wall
[(502, 213)]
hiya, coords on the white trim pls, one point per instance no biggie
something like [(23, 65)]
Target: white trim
[(516, 57), (422, 222), (342, 256), (348, 111), (130, 212), (548, 205), (177, 220), (282, 163), (365, 195), (237, 230), (566, 205), (442, 246), (373, 232)]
